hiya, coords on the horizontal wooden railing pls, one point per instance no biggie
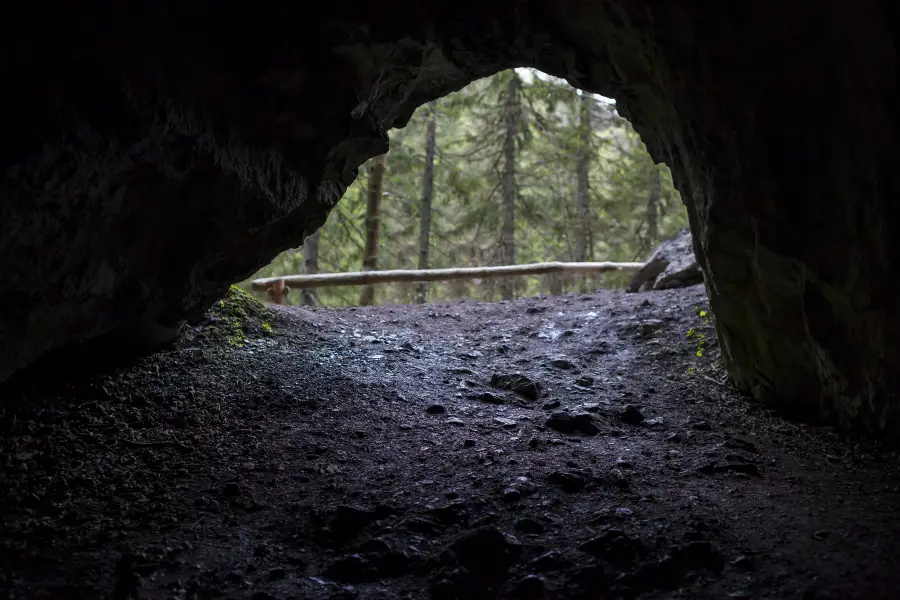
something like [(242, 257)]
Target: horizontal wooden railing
[(372, 277)]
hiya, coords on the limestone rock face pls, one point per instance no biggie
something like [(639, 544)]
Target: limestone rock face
[(156, 152), (672, 265)]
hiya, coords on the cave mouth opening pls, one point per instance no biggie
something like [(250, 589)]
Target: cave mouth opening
[(516, 168)]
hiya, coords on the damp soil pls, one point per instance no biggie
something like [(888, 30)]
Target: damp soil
[(553, 447)]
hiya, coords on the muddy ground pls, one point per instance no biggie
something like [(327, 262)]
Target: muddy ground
[(367, 453)]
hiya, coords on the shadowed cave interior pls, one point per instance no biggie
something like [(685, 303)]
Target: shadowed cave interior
[(157, 154)]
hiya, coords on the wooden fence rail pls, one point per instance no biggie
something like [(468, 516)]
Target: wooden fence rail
[(276, 285)]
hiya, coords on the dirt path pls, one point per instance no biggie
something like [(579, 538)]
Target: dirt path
[(373, 453)]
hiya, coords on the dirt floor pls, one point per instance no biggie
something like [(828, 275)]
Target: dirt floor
[(570, 447)]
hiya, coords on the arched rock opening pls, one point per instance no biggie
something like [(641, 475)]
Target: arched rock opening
[(156, 153)]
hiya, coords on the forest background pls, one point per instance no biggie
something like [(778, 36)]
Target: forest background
[(515, 168)]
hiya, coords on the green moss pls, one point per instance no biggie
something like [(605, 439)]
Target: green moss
[(237, 317), (241, 305)]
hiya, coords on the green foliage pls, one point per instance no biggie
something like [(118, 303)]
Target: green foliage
[(466, 205), (698, 334)]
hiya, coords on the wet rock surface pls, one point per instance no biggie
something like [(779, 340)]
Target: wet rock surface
[(312, 463)]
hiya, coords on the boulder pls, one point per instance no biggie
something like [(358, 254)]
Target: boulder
[(673, 265)]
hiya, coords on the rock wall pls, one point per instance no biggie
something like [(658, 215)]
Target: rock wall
[(157, 152)]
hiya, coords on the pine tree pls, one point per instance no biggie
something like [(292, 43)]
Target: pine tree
[(507, 245), (427, 197), (584, 154), (373, 225), (582, 177)]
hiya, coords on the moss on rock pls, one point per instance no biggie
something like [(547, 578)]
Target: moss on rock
[(236, 318)]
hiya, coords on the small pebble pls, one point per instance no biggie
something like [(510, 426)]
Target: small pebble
[(231, 489), (511, 494), (632, 415), (527, 525), (561, 363), (562, 422), (531, 587)]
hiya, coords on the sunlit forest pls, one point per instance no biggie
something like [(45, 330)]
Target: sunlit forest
[(515, 168)]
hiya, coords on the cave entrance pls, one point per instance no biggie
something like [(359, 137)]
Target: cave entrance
[(517, 168)]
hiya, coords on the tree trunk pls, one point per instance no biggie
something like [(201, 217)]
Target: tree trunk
[(508, 195), (653, 199), (427, 192), (373, 222), (582, 185), (308, 296)]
